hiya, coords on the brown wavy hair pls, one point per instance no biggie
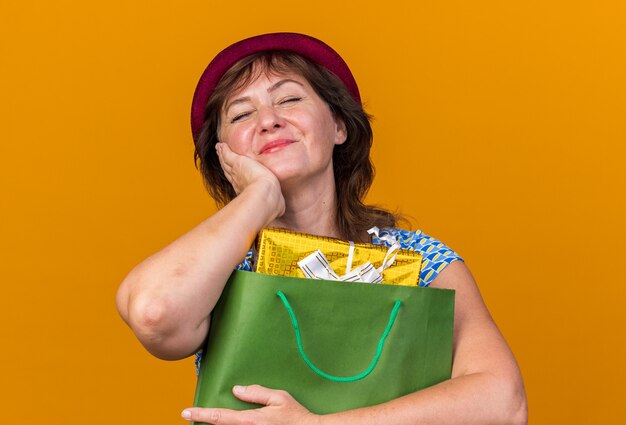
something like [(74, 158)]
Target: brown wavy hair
[(353, 169)]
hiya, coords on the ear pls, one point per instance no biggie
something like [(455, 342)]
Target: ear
[(341, 134)]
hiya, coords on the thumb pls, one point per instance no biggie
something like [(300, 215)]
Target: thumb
[(260, 395)]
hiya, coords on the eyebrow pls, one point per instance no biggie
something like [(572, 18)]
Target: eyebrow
[(269, 90)]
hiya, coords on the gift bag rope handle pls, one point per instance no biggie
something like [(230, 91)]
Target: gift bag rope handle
[(379, 349)]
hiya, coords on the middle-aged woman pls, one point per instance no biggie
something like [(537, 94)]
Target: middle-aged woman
[(283, 141)]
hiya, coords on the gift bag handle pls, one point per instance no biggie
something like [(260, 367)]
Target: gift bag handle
[(379, 349)]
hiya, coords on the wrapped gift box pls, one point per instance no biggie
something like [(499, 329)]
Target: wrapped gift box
[(279, 252)]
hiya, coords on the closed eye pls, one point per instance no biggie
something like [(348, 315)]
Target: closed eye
[(239, 117), (290, 99)]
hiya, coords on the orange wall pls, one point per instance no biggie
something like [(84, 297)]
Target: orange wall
[(499, 128)]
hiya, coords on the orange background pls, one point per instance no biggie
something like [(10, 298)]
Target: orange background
[(499, 127)]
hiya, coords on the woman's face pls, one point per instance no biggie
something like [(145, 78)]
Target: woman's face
[(281, 122)]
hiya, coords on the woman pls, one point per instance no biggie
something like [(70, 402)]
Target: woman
[(283, 141)]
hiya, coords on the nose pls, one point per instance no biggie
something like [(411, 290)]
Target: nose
[(269, 119)]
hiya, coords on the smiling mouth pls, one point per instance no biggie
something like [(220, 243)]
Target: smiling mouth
[(275, 146)]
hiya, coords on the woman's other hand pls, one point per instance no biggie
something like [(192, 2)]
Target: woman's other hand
[(279, 408), (243, 173)]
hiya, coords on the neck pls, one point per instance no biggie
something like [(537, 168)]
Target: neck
[(310, 209)]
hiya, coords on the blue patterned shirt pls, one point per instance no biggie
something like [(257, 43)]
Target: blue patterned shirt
[(435, 257)]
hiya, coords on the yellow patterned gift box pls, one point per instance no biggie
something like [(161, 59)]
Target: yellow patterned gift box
[(280, 251)]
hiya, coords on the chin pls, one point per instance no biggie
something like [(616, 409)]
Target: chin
[(293, 172), (284, 168), (287, 174)]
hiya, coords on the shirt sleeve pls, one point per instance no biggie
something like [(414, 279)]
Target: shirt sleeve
[(435, 254), (247, 263)]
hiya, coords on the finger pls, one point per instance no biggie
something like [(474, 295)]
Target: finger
[(215, 416), (222, 154), (227, 154), (261, 395), (226, 166), (228, 172)]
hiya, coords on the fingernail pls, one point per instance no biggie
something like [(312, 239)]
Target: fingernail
[(186, 414), (239, 389)]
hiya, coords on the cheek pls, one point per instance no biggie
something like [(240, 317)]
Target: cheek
[(237, 138), (325, 126)]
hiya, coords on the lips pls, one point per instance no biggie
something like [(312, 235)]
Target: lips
[(275, 146)]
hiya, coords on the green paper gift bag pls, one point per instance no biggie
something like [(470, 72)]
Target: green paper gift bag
[(332, 345)]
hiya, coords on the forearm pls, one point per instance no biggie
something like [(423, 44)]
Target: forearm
[(480, 398), (487, 386), (168, 297)]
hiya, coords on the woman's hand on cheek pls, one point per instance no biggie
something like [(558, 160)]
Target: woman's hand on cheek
[(240, 170), (279, 408), (243, 172)]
